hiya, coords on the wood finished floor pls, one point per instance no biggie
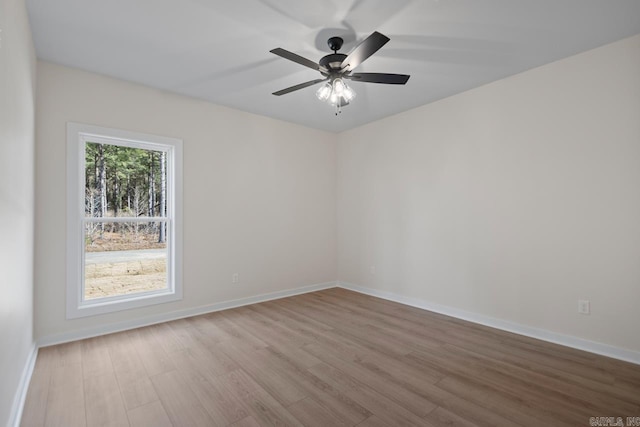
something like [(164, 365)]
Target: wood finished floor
[(329, 358)]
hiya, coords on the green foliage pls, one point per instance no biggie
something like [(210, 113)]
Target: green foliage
[(130, 172)]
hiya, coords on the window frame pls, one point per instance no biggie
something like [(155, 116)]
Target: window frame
[(77, 136)]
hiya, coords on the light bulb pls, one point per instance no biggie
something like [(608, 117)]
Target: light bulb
[(348, 94), (336, 93), (324, 92), (338, 87)]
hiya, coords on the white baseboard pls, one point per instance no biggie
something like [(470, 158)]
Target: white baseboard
[(541, 334), (23, 387), (178, 314)]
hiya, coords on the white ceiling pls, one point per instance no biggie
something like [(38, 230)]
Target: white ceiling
[(219, 50)]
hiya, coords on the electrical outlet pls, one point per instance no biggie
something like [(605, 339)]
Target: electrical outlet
[(584, 306), (235, 278)]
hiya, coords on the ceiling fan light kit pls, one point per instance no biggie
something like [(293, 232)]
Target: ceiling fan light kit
[(336, 93), (337, 67)]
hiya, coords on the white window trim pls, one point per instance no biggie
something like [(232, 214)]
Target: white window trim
[(77, 134)]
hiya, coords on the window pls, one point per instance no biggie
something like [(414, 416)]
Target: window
[(123, 220)]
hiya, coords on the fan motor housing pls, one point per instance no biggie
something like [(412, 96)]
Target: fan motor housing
[(333, 61)]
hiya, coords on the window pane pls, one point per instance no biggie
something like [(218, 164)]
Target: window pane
[(124, 258), (124, 181)]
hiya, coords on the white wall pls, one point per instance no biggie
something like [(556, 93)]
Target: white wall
[(259, 194), (511, 201), (17, 85)]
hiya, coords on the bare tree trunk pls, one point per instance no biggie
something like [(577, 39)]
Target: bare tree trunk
[(102, 185), (91, 211), (163, 196), (152, 192), (129, 192), (138, 209), (116, 191), (96, 170), (152, 185), (116, 185)]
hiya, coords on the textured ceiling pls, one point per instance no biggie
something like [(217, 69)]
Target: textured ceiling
[(219, 50)]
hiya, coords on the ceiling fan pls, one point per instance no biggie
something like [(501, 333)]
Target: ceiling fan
[(337, 67)]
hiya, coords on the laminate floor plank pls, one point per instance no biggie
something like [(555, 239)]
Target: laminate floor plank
[(278, 336), (206, 360), (271, 332), (154, 358), (133, 380), (443, 417), (499, 385), (583, 380), (384, 408), (149, 415), (284, 308), (236, 333), (216, 399), (392, 390), (561, 390), (64, 354), (179, 401), (186, 333), (508, 405), (137, 393), (312, 414), (356, 333), (541, 397), (66, 400), (332, 357), (246, 422), (273, 380), (373, 421), (35, 406), (209, 333), (126, 361), (103, 402), (323, 393), (166, 337), (263, 407), (480, 415)]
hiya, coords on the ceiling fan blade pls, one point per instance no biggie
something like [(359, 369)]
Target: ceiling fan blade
[(364, 50), (298, 87), (297, 58), (390, 79)]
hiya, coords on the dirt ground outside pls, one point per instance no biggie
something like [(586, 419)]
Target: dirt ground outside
[(106, 279), (121, 278), (122, 241)]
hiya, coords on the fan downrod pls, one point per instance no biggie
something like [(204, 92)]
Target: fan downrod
[(335, 44)]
